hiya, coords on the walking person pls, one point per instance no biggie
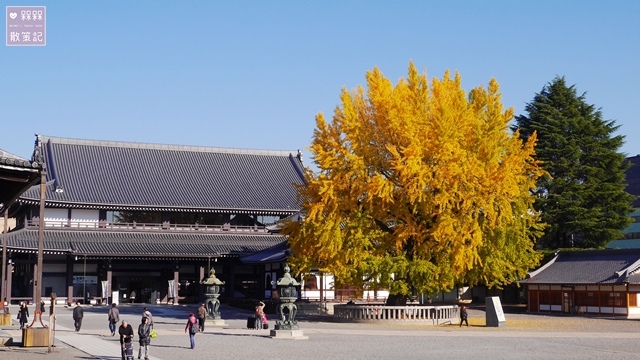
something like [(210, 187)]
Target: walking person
[(114, 318), (192, 328), (144, 336), (78, 314), (202, 316), (42, 307), (23, 315), (463, 316), (126, 337), (147, 313)]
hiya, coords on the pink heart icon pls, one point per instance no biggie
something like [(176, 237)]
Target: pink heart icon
[(13, 16)]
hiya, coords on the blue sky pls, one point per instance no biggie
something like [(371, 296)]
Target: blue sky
[(253, 74)]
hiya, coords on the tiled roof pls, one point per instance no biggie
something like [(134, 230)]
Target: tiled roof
[(589, 267), (139, 243), (273, 254), (16, 176), (127, 176), (7, 158)]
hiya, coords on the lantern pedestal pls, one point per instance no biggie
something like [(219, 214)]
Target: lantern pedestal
[(288, 335)]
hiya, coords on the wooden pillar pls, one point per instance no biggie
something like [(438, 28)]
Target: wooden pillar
[(201, 288), (69, 281), (109, 293), (37, 276), (231, 285), (176, 285), (7, 294), (5, 240), (35, 292)]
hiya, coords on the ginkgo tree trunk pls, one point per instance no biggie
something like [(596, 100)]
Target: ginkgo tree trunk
[(420, 187)]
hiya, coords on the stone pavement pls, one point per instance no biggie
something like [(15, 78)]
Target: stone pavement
[(524, 336)]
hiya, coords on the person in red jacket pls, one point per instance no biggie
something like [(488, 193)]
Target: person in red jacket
[(192, 328)]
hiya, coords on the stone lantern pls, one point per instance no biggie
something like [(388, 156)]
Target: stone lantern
[(287, 325), (212, 292)]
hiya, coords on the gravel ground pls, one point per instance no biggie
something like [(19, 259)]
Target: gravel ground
[(524, 336)]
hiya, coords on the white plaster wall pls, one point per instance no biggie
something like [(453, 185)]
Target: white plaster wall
[(634, 311), (56, 217), (84, 217), (315, 294)]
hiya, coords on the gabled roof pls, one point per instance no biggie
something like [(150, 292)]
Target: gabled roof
[(16, 176), (589, 267), (127, 176), (141, 243)]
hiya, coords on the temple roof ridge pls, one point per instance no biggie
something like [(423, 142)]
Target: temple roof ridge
[(170, 147)]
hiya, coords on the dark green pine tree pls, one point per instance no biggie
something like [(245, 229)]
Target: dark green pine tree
[(583, 201)]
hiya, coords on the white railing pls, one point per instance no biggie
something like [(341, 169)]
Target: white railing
[(415, 313), (146, 226)]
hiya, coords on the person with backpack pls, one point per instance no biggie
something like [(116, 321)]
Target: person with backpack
[(192, 328)]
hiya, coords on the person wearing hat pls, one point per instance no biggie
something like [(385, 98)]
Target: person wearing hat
[(202, 315), (147, 313)]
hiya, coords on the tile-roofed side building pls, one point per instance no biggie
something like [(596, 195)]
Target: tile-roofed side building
[(586, 267), (121, 175), (591, 281)]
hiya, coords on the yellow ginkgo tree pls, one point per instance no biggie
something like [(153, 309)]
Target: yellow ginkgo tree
[(420, 187)]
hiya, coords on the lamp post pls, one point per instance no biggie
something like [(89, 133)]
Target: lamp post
[(4, 258)]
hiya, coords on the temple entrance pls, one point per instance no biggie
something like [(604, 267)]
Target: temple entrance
[(142, 288)]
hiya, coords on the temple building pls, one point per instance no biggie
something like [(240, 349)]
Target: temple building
[(135, 222)]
